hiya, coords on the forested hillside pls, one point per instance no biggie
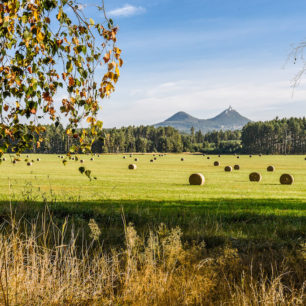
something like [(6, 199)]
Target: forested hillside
[(279, 136), (285, 136)]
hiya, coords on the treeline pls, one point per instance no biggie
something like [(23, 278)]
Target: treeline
[(278, 136), (285, 136), (141, 139)]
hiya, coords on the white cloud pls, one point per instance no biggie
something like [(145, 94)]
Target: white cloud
[(127, 10)]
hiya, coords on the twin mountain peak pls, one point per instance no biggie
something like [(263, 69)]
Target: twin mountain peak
[(229, 119)]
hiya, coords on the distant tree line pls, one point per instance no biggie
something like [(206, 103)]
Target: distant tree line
[(278, 136), (285, 136)]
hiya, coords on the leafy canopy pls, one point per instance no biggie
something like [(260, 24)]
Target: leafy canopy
[(47, 48)]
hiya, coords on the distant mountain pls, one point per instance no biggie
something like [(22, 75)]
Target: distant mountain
[(227, 120)]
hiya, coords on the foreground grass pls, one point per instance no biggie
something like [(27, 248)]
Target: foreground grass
[(42, 267), (227, 242)]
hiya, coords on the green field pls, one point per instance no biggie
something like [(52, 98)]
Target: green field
[(228, 206), (164, 180)]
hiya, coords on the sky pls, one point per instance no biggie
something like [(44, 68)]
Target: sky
[(201, 56)]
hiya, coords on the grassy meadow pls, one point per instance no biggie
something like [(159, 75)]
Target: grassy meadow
[(229, 241)]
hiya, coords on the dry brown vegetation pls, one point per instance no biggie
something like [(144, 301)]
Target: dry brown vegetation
[(41, 266)]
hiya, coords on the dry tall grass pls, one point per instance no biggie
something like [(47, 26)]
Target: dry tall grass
[(41, 268)]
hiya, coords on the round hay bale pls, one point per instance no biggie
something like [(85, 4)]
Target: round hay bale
[(151, 161), (208, 157), (38, 159), (124, 157), (196, 179), (255, 177), (238, 157), (182, 159), (228, 169), (132, 167), (259, 155), (219, 155), (29, 164), (98, 155), (216, 163), (4, 159), (81, 161), (131, 155), (236, 167), (155, 158), (250, 155), (14, 161), (286, 179), (27, 156), (136, 159), (92, 159), (204, 154), (270, 168)]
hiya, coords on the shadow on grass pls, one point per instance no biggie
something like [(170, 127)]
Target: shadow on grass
[(244, 223)]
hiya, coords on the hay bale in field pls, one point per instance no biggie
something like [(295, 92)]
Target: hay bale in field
[(219, 155), (124, 157), (182, 159), (132, 167), (38, 159), (4, 159), (260, 155), (14, 161), (255, 177), (155, 158), (216, 163), (286, 179), (81, 161), (236, 167), (131, 155), (196, 179), (29, 164), (151, 161), (98, 155), (92, 159), (250, 155), (270, 168), (238, 157), (208, 157), (228, 169), (82, 170), (136, 159)]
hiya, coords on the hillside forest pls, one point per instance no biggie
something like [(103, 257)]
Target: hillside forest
[(278, 136)]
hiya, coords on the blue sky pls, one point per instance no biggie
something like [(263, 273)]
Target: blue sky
[(200, 56)]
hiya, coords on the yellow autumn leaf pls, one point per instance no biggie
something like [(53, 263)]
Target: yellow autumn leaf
[(40, 36), (35, 13), (117, 70)]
